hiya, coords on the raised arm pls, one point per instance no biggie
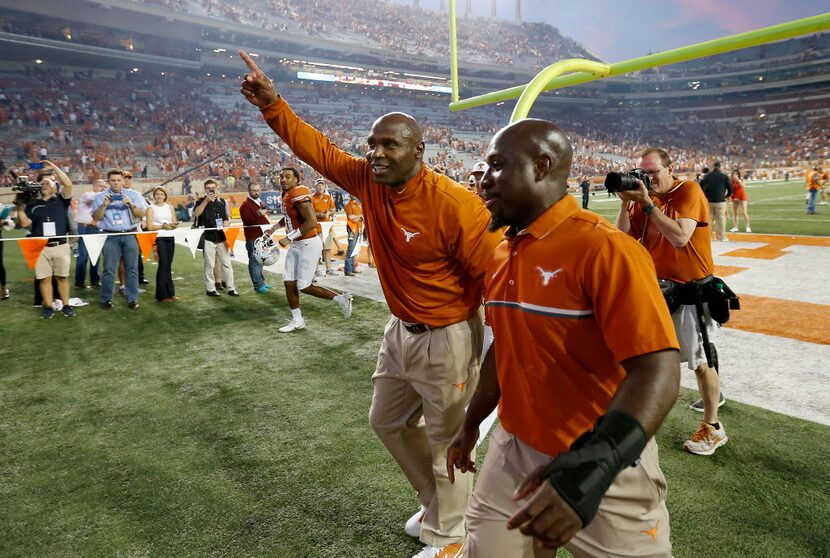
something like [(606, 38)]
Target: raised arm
[(308, 143)]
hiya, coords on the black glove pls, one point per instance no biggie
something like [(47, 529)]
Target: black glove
[(582, 475)]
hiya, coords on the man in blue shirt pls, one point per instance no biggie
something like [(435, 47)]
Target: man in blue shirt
[(117, 211), (48, 218)]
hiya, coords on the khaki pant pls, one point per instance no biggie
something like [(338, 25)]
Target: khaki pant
[(717, 214), (422, 385), (214, 251), (632, 519)]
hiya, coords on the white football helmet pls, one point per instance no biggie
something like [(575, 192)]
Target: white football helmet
[(266, 250)]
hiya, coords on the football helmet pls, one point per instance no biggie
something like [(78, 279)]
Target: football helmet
[(266, 250)]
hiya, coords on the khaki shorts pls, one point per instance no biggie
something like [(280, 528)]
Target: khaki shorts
[(53, 260), (688, 334)]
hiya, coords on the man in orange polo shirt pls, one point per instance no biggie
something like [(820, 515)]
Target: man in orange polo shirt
[(354, 229), (814, 186), (431, 241), (304, 246), (583, 367), (673, 226), (323, 205)]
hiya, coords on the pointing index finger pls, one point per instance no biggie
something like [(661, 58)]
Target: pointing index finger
[(250, 63)]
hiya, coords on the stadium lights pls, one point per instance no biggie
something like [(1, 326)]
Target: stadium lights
[(253, 55), (135, 69), (38, 61)]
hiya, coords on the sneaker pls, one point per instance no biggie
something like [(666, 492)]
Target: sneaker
[(413, 525), (68, 311), (292, 326), (212, 293), (233, 292), (263, 289), (106, 305), (698, 405), (143, 282), (82, 286), (733, 229), (319, 273), (748, 229), (47, 313), (331, 272), (348, 273), (706, 440), (346, 304), (141, 291), (448, 551), (122, 290), (133, 305), (5, 294)]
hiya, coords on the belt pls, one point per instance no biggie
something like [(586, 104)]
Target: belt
[(118, 232), (416, 328), (56, 242)]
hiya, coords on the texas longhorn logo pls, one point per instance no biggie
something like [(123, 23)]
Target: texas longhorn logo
[(408, 234), (547, 275)]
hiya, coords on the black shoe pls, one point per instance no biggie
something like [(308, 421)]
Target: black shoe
[(233, 293), (133, 305), (698, 405), (82, 286), (106, 305), (96, 285), (212, 293), (143, 282)]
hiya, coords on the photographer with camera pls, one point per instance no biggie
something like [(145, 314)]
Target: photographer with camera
[(48, 217), (670, 218), (212, 213), (118, 210)]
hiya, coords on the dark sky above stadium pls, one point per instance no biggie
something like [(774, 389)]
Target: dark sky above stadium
[(620, 30)]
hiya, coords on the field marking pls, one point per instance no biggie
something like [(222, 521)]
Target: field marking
[(774, 246), (802, 321)]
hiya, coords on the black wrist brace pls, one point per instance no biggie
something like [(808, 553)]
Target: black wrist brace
[(582, 475)]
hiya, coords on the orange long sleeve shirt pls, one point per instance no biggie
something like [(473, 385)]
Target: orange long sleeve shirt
[(431, 242)]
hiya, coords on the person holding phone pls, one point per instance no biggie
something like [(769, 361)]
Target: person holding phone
[(212, 215), (115, 210)]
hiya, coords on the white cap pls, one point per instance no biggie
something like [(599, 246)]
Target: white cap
[(481, 166), (472, 179)]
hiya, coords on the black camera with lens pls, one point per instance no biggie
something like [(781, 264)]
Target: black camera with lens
[(623, 182), (26, 192)]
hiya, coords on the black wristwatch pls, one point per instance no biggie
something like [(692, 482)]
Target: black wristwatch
[(649, 208)]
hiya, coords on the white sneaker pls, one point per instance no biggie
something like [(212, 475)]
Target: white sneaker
[(293, 325), (748, 229), (733, 229), (345, 303), (706, 439), (413, 525), (448, 551)]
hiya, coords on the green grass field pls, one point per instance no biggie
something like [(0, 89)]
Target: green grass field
[(195, 429), (775, 207)]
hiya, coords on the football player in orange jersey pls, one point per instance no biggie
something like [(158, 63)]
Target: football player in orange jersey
[(304, 249)]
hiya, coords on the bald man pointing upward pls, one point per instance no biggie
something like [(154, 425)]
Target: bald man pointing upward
[(432, 245), (583, 367)]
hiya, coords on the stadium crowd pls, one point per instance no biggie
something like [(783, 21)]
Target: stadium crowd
[(157, 126)]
